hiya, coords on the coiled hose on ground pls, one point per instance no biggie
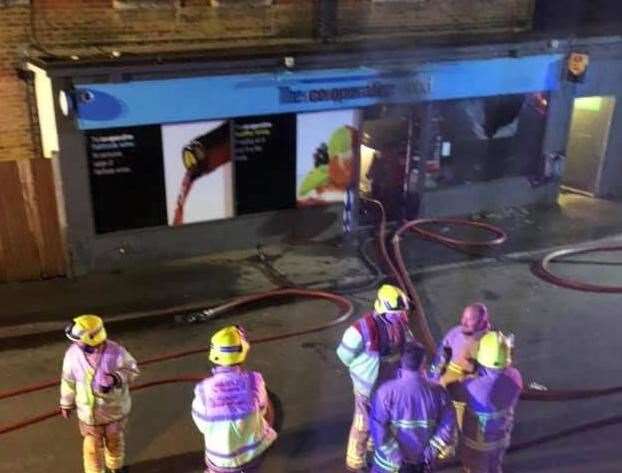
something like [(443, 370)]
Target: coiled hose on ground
[(402, 277), (542, 270), (398, 268)]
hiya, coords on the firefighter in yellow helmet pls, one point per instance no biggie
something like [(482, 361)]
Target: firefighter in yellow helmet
[(231, 408), (95, 381), (490, 398), (371, 349)]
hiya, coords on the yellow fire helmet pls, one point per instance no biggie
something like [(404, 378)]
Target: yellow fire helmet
[(229, 346), (88, 329), (494, 350), (390, 299)]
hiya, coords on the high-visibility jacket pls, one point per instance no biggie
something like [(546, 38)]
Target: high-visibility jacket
[(490, 399), (86, 383), (371, 348), (408, 414), (229, 409), (454, 353)]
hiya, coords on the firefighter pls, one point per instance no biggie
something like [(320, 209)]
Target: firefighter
[(456, 352), (412, 420), (231, 408), (371, 349), (95, 381), (490, 397)]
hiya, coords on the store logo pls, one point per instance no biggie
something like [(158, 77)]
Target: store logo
[(336, 94), (413, 86)]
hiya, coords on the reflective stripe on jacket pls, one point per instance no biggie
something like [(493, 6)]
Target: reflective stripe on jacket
[(229, 409), (371, 348), (409, 413), (86, 383), (490, 399)]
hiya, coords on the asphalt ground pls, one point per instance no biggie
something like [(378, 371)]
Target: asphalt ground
[(565, 339)]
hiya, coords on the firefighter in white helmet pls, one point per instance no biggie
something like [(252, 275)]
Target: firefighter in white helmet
[(490, 398), (231, 408), (95, 381), (371, 349)]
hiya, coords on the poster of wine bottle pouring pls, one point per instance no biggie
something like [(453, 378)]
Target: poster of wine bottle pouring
[(197, 157)]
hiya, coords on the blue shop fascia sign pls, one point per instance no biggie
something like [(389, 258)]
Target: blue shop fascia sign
[(419, 85), (114, 105)]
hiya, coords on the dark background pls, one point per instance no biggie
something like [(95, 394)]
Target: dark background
[(136, 199), (266, 179)]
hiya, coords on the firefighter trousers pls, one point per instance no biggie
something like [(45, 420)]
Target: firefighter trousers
[(359, 441), (103, 446)]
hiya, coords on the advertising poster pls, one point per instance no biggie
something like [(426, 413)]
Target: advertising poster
[(327, 144), (198, 171), (265, 163), (127, 178)]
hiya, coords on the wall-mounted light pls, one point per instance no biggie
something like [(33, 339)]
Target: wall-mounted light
[(65, 102)]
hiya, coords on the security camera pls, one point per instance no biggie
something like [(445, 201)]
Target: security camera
[(86, 96)]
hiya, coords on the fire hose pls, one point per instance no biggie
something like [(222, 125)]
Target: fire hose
[(542, 270), (346, 312), (53, 413)]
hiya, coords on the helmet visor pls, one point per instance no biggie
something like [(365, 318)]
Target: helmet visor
[(70, 334)]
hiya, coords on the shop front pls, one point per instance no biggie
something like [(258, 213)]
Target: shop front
[(161, 167)]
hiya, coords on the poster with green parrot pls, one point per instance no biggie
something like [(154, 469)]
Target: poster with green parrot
[(330, 165)]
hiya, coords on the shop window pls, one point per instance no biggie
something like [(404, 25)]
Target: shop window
[(184, 173), (482, 139), (389, 132), (471, 140)]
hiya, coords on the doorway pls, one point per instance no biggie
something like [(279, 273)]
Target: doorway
[(587, 144)]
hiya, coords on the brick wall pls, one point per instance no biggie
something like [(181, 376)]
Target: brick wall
[(90, 27), (15, 132)]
